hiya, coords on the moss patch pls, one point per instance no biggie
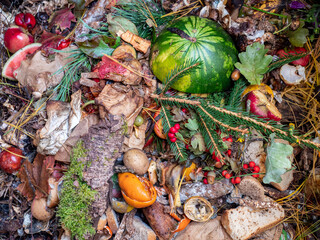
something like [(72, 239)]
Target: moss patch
[(76, 197)]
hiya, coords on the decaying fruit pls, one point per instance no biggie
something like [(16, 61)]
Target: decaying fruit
[(136, 191), (123, 49), (16, 38), (158, 127), (261, 106), (25, 20), (120, 206), (136, 160), (198, 209), (40, 210), (189, 170), (10, 160)]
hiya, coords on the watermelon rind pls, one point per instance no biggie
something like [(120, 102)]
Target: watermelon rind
[(213, 47), (15, 60)]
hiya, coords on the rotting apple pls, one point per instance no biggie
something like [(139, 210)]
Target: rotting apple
[(16, 38), (10, 159), (297, 50), (259, 105), (25, 20)]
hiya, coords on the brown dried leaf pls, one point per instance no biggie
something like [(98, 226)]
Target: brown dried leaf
[(34, 177)]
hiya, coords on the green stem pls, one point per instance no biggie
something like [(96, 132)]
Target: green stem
[(260, 10), (88, 103)]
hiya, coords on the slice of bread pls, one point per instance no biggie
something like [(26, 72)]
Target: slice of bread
[(243, 222), (251, 187)]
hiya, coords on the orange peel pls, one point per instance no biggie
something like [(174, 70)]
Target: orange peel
[(137, 191)]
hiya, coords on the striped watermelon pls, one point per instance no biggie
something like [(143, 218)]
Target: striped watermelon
[(204, 40)]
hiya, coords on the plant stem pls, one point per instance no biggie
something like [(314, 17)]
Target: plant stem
[(270, 13)]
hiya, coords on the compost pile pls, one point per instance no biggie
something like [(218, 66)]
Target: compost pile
[(159, 119)]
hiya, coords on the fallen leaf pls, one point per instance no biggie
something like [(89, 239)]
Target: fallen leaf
[(277, 162), (34, 177), (62, 19)]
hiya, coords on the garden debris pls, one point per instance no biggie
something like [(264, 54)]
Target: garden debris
[(141, 230), (103, 143), (34, 177), (63, 154), (292, 75), (92, 18), (137, 42), (126, 101), (161, 223), (208, 191), (271, 234), (63, 117), (211, 229), (257, 221), (113, 221), (39, 74)]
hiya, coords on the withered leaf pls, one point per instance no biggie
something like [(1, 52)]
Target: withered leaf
[(62, 19), (34, 177)]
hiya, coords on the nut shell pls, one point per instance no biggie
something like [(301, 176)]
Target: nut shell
[(39, 209), (136, 160), (198, 209)]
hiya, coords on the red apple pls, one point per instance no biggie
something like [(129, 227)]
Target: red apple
[(15, 38), (25, 20), (302, 61), (261, 106), (10, 162)]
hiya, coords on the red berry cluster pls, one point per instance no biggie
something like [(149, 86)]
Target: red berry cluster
[(172, 132), (253, 168), (227, 175)]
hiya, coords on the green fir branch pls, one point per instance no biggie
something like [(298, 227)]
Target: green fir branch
[(284, 60), (147, 16), (72, 73), (179, 72)]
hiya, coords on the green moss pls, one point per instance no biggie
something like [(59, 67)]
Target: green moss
[(75, 199)]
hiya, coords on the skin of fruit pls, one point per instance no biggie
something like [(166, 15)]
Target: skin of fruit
[(136, 191), (9, 162), (15, 39), (25, 20)]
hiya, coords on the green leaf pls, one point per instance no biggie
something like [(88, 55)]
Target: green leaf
[(197, 142), (277, 162), (192, 125), (254, 63), (118, 23), (99, 46), (79, 6), (299, 37)]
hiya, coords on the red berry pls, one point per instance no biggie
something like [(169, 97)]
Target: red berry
[(227, 176), (171, 135), (256, 169), (187, 146), (184, 110), (177, 126), (63, 44), (174, 139), (229, 139), (218, 131), (255, 175), (213, 155), (217, 159), (229, 152), (9, 161), (252, 164), (224, 172), (237, 180), (173, 130), (205, 181), (233, 181), (245, 166), (224, 139), (205, 174)]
